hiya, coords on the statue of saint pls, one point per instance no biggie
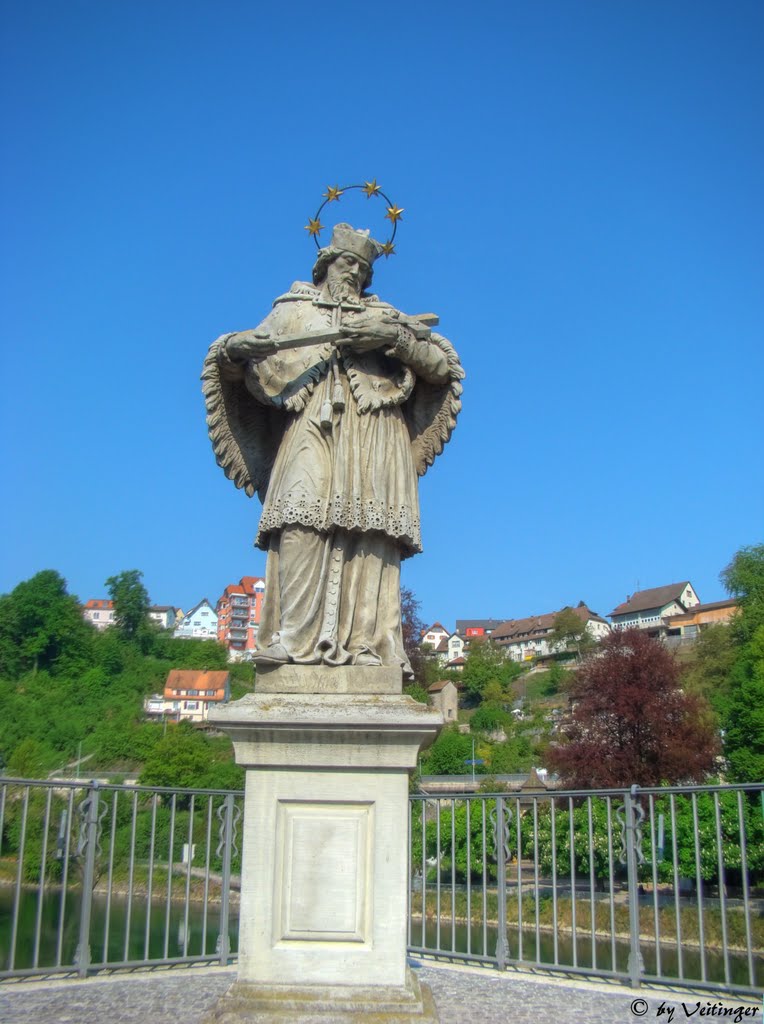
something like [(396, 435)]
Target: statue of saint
[(330, 410)]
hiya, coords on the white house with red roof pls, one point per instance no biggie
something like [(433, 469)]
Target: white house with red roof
[(434, 634), (99, 612), (189, 694), (528, 638)]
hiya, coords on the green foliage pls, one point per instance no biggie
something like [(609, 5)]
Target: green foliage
[(418, 692), (30, 759), (131, 602), (742, 703), (192, 653), (513, 756), (41, 628), (456, 854), (569, 633), (744, 735), (684, 828), (186, 759), (66, 684), (448, 754), (489, 718), (710, 667), (487, 663), (744, 579), (555, 679)]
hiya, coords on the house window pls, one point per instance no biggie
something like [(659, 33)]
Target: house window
[(191, 705)]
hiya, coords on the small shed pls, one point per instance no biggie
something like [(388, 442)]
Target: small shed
[(445, 698)]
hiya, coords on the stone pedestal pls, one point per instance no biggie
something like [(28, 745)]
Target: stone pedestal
[(322, 933)]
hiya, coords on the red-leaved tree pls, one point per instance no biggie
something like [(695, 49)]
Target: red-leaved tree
[(630, 721)]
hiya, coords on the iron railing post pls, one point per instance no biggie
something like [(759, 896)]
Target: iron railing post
[(224, 942), (87, 851), (633, 815), (502, 946)]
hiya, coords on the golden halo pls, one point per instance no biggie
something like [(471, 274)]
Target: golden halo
[(333, 193)]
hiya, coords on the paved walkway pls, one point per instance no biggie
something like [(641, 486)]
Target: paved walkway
[(464, 995)]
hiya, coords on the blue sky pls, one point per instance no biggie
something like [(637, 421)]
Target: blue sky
[(582, 184)]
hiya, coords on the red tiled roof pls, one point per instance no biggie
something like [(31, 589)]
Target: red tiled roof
[(538, 625), (196, 679), (656, 597), (100, 603)]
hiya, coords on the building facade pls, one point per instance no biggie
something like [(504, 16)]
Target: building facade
[(99, 612), (201, 623), (529, 639), (238, 609), (647, 609), (188, 695)]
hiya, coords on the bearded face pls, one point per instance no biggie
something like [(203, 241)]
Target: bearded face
[(345, 277)]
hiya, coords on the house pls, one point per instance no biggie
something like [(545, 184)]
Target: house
[(455, 647), (688, 626), (469, 628), (529, 638), (239, 609), (647, 609), (433, 636), (99, 612), (189, 694), (201, 623), (445, 698), (163, 614)]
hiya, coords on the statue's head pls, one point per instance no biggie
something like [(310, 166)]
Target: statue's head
[(348, 242)]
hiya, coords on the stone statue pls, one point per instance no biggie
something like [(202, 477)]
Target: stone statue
[(330, 410)]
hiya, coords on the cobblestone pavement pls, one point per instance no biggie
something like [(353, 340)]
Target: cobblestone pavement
[(463, 996)]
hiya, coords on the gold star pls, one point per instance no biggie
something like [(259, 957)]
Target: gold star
[(394, 213), (371, 188), (314, 227), (388, 249), (333, 192)]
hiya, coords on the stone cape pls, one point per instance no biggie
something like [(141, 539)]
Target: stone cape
[(246, 434)]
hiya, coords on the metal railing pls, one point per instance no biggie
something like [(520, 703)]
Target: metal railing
[(95, 876), (658, 885)]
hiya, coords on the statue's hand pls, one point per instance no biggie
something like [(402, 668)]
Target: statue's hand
[(248, 346), (367, 333)]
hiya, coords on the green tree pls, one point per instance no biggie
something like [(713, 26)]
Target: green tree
[(744, 722), (744, 579), (448, 754), (419, 693), (42, 628), (709, 669), (131, 602), (569, 632), (31, 759), (512, 756), (179, 759), (486, 663), (743, 714), (490, 718)]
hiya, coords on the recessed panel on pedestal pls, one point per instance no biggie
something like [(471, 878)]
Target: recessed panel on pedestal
[(324, 873)]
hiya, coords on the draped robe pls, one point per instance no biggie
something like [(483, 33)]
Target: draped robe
[(341, 504)]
